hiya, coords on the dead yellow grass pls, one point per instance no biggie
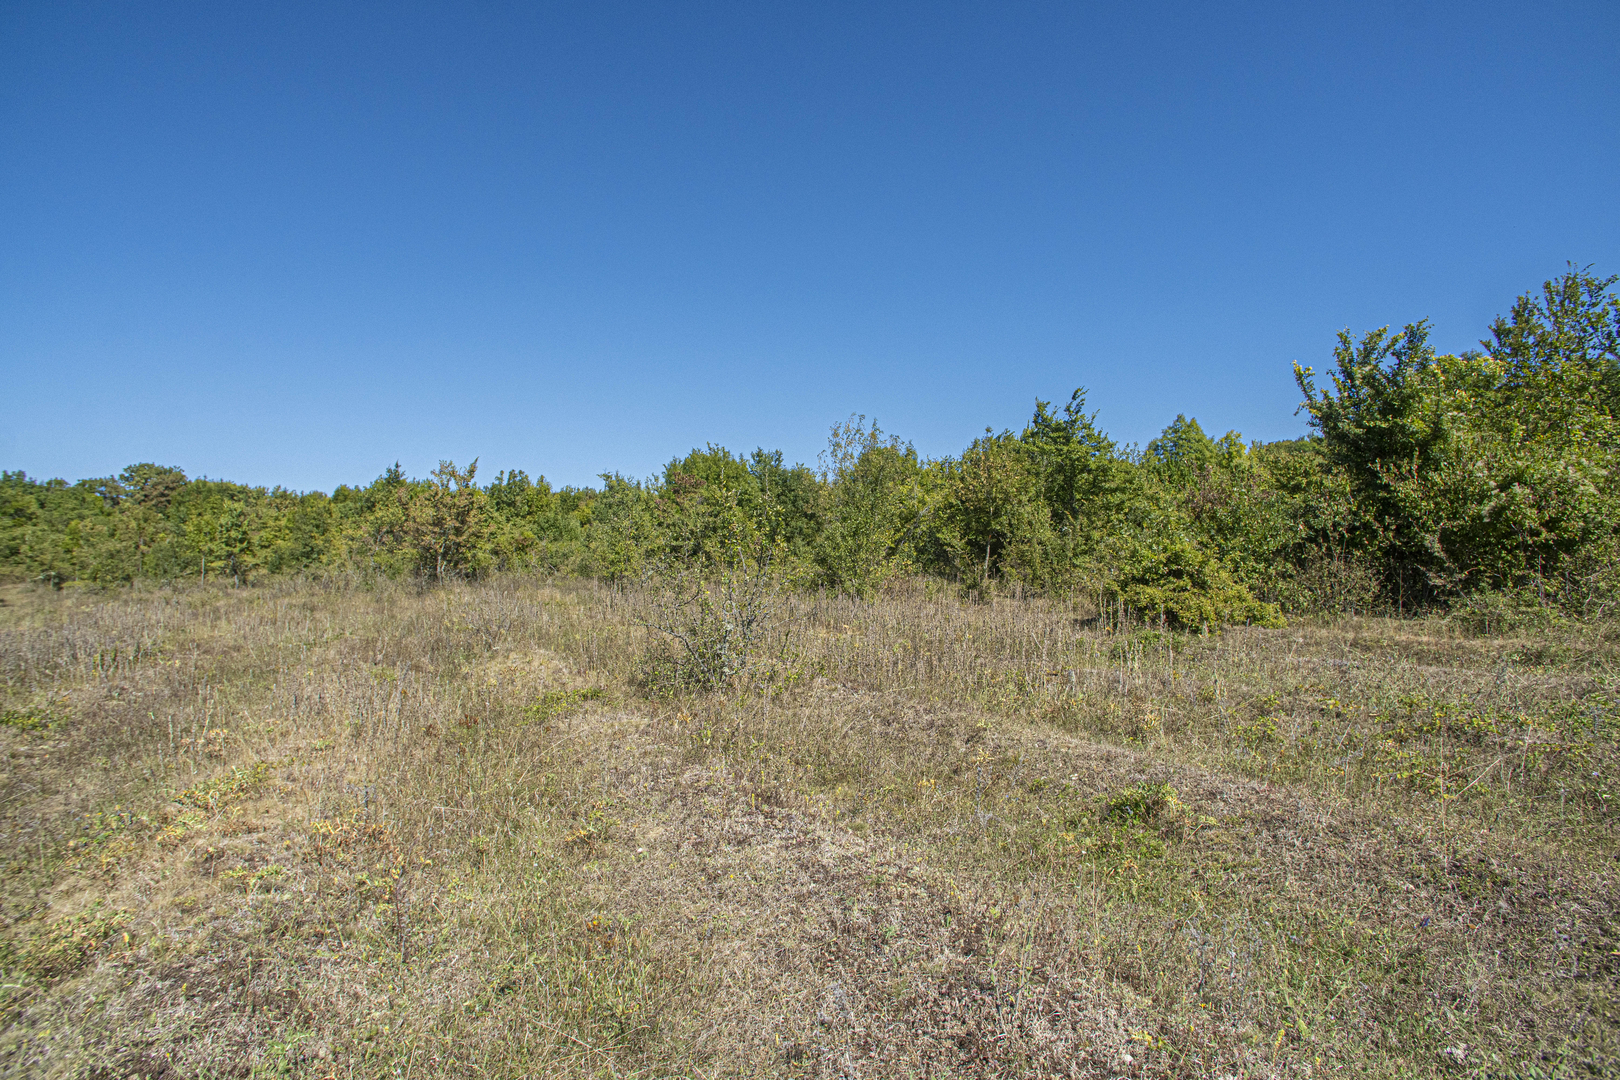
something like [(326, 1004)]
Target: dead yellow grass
[(320, 831)]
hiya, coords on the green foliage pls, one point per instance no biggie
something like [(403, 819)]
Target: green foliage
[(437, 528), (151, 486), (25, 719), (792, 499), (1163, 572), (554, 703), (623, 529), (711, 612), (1485, 482), (1143, 804), (65, 945), (1081, 473), (991, 517), (1489, 470), (234, 785), (529, 525), (874, 504), (225, 535)]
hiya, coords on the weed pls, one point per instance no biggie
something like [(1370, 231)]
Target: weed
[(26, 719), (552, 704), (1146, 804), (248, 879), (238, 783), (64, 946)]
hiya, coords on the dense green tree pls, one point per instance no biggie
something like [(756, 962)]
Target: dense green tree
[(705, 504), (152, 486), (1493, 469), (434, 528), (991, 518), (225, 536), (1571, 333), (874, 508), (624, 531), (1081, 473), (792, 501), (528, 525)]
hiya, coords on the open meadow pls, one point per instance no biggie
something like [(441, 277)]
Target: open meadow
[(327, 830)]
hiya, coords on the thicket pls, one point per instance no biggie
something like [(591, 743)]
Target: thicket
[(1483, 482)]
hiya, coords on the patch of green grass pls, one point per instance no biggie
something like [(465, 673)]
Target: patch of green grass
[(104, 825), (247, 879)]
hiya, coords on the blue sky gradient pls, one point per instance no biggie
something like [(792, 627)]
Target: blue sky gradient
[(293, 243)]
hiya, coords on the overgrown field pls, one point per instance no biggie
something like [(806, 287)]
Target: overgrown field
[(322, 831)]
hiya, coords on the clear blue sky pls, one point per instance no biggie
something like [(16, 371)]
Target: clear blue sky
[(292, 243)]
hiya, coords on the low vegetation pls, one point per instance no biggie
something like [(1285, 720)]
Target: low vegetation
[(338, 829)]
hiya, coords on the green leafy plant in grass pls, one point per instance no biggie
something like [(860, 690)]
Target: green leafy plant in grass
[(26, 719), (63, 946), (1144, 804), (249, 879), (595, 828), (1260, 732), (98, 828), (1132, 827), (712, 616), (212, 794), (552, 704)]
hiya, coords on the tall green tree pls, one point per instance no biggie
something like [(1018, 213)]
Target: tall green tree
[(874, 508), (442, 522), (226, 536), (1493, 469), (992, 517)]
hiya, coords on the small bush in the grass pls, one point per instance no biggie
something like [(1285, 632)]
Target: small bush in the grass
[(1501, 611), (1144, 804), (712, 619), (594, 828)]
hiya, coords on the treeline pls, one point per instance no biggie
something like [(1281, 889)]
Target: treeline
[(1486, 479)]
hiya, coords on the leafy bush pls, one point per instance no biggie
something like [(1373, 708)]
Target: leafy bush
[(1505, 611), (1430, 481), (709, 618), (1143, 804)]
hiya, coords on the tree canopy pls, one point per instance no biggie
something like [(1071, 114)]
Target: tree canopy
[(1426, 480)]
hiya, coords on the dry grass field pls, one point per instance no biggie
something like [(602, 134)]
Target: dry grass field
[(339, 831)]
